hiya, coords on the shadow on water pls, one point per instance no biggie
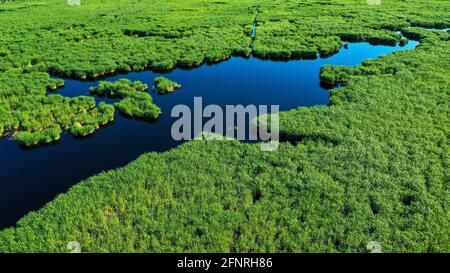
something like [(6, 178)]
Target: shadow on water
[(33, 177)]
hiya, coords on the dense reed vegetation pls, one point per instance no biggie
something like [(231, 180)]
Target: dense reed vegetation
[(134, 100), (164, 85), (374, 165), (102, 37), (34, 117)]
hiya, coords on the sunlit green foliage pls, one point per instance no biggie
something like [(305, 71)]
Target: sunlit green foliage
[(365, 168), (86, 124), (295, 29), (135, 101), (39, 38), (118, 89), (106, 113), (27, 110), (139, 108), (335, 75), (82, 130), (44, 136), (164, 85), (373, 166)]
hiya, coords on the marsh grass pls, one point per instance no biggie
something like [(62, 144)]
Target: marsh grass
[(134, 99), (373, 165), (164, 86)]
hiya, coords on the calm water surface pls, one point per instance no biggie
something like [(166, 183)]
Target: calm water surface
[(31, 178)]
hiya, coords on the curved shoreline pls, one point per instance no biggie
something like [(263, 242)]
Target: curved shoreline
[(252, 54)]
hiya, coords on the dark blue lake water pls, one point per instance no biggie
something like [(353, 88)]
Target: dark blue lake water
[(31, 178)]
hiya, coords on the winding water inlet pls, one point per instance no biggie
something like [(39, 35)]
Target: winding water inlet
[(33, 177)]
